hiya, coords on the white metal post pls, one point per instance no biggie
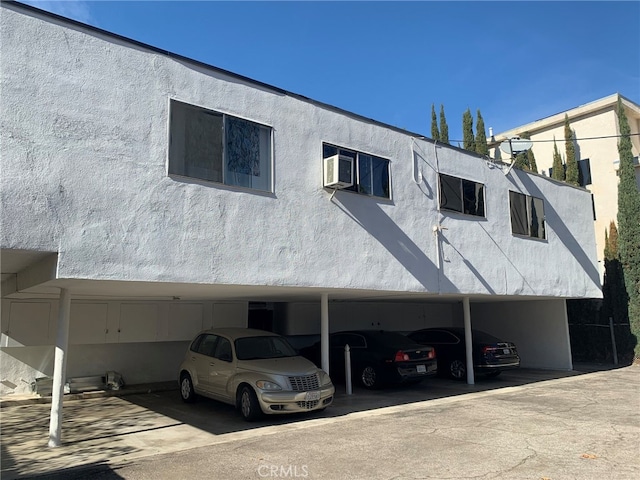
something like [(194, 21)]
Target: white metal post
[(59, 368), (468, 338), (347, 368), (324, 332)]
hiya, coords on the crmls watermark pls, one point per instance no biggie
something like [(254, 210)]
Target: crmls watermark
[(283, 471)]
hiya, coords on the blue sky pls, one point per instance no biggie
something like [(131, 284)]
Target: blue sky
[(514, 61)]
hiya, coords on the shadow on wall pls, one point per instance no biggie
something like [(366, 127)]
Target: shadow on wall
[(370, 216), (22, 365), (553, 220), (469, 265)]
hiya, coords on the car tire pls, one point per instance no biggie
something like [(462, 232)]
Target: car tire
[(369, 377), (186, 388), (457, 369), (248, 404)]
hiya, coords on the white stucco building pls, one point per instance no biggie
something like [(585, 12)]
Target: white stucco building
[(146, 196), (595, 131)]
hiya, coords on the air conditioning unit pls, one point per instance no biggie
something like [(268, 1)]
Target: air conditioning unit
[(338, 171)]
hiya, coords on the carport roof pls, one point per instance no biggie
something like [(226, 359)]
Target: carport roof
[(32, 274)]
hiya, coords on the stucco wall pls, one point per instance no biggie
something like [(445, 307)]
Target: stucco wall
[(595, 126), (304, 318), (144, 341), (538, 328), (84, 161)]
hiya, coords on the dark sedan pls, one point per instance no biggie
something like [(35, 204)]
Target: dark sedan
[(377, 357), (490, 354)]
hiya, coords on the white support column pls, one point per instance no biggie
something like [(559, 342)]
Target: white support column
[(59, 368), (468, 339), (324, 332)]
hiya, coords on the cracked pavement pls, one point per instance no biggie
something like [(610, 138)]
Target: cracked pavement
[(554, 426)]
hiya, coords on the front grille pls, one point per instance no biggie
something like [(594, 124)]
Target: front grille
[(304, 383), (308, 405)]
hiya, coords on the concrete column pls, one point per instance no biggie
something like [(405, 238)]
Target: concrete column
[(468, 339), (59, 368), (324, 331)]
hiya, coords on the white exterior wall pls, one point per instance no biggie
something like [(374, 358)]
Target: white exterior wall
[(144, 341), (595, 125), (304, 318), (539, 329), (84, 140)]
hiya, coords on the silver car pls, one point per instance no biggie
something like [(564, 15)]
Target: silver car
[(257, 371)]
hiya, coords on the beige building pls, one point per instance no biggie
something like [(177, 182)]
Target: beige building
[(596, 130)]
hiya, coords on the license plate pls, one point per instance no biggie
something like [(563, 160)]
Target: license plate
[(421, 368), (506, 351), (310, 396)]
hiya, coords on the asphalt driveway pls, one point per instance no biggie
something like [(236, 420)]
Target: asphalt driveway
[(524, 424)]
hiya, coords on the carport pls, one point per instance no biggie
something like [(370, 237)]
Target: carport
[(30, 288)]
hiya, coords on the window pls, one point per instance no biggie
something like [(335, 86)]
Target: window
[(223, 350), (372, 173), (219, 148), (527, 215), (252, 348), (460, 195), (205, 345), (584, 172)]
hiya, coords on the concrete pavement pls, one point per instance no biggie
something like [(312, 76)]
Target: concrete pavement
[(524, 424)]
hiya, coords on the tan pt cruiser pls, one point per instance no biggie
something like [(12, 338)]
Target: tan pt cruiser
[(257, 371)]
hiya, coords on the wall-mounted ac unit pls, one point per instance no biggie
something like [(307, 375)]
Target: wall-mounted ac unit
[(338, 171)]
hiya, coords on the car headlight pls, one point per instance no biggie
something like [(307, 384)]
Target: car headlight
[(324, 378), (267, 385)]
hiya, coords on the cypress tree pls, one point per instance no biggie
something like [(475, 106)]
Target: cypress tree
[(629, 224), (522, 158), (558, 167), (444, 128), (435, 134), (614, 294), (481, 137), (521, 161), (468, 141), (572, 175), (531, 158), (612, 244)]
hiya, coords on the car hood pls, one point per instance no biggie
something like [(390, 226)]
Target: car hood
[(279, 366)]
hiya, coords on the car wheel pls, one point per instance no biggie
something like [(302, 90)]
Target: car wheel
[(369, 377), (457, 369), (186, 388), (494, 373), (248, 403)]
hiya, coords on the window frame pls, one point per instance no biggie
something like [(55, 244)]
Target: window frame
[(462, 182), (358, 159), (530, 209), (177, 157)]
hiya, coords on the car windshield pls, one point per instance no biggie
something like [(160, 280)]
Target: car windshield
[(254, 348)]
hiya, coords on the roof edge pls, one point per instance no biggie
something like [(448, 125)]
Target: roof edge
[(558, 118), (18, 6)]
